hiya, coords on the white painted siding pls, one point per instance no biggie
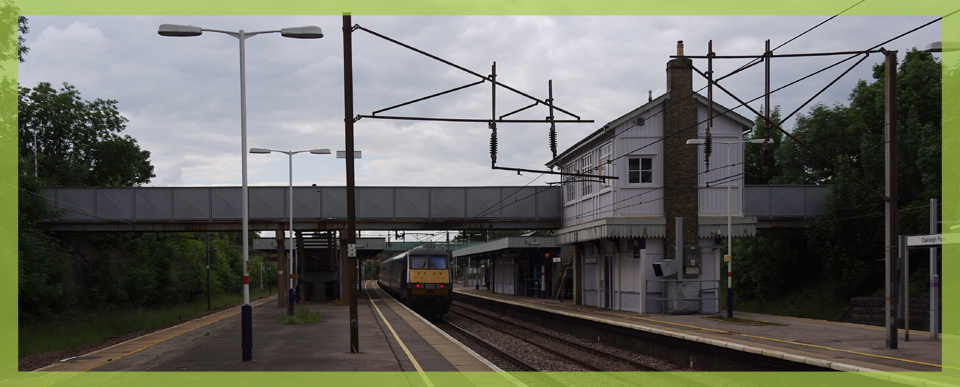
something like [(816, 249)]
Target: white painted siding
[(713, 200), (639, 202)]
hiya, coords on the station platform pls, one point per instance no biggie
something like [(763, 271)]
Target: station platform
[(830, 345), (391, 338)]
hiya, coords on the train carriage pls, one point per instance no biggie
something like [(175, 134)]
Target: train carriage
[(421, 279)]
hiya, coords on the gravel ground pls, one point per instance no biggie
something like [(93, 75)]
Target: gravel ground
[(541, 359)]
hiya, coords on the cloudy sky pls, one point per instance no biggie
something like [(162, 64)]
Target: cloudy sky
[(181, 95)]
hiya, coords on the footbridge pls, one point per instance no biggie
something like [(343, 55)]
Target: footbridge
[(160, 209)]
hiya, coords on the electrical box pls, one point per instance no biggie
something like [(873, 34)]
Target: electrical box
[(692, 262)]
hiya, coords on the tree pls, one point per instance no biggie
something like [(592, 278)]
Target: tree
[(43, 277), (754, 154), (9, 12), (78, 141), (845, 243)]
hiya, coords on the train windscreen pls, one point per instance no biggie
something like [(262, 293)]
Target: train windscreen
[(438, 262), (428, 262)]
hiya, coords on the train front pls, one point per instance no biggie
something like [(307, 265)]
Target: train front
[(430, 287)]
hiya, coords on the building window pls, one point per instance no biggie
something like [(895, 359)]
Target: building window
[(640, 170), (606, 166), (569, 182), (586, 165)]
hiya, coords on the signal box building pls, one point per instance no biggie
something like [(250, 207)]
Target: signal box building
[(619, 233)]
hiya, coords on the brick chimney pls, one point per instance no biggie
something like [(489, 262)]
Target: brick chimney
[(680, 194)]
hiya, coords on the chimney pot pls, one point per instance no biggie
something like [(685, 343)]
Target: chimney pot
[(679, 48)]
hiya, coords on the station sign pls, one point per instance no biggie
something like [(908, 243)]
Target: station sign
[(351, 250), (932, 240)]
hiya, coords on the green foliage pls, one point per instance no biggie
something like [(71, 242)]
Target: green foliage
[(134, 270), (810, 301), (303, 316), (771, 264), (371, 270), (843, 245), (78, 141), (754, 154), (87, 327), (44, 284), (8, 32)]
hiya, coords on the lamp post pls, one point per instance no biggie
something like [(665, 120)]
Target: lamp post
[(309, 32), (934, 278), (729, 145), (36, 165), (290, 293)]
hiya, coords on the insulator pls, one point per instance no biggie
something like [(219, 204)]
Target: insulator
[(707, 149), (493, 143), (553, 139)]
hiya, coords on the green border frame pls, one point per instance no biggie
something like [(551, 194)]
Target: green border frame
[(8, 177)]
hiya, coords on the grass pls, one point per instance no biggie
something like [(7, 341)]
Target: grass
[(808, 302), (88, 327), (303, 316)]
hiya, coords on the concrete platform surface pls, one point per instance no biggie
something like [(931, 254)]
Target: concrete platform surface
[(390, 337)]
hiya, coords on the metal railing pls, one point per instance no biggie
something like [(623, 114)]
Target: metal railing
[(681, 282)]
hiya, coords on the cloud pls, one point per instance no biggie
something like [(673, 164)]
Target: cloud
[(182, 95)]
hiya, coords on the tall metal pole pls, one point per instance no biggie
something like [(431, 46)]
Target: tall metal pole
[(208, 271), (890, 232), (934, 288), (290, 243), (729, 238), (36, 166), (351, 233), (246, 309)]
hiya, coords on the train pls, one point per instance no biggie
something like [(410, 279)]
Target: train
[(421, 279)]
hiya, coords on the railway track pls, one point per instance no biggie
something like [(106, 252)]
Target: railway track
[(487, 350), (608, 368), (583, 357)]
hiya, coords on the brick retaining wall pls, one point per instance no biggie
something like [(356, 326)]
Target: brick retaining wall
[(869, 311)]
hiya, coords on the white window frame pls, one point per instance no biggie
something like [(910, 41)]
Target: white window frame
[(569, 182), (586, 165), (639, 169), (606, 166)]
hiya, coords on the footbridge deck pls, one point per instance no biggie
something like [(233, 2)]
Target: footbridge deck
[(315, 208), (157, 209)]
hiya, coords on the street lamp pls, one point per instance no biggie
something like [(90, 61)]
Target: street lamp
[(290, 293), (939, 46), (729, 145), (310, 32)]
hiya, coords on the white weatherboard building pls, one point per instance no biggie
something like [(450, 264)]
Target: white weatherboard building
[(615, 230)]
